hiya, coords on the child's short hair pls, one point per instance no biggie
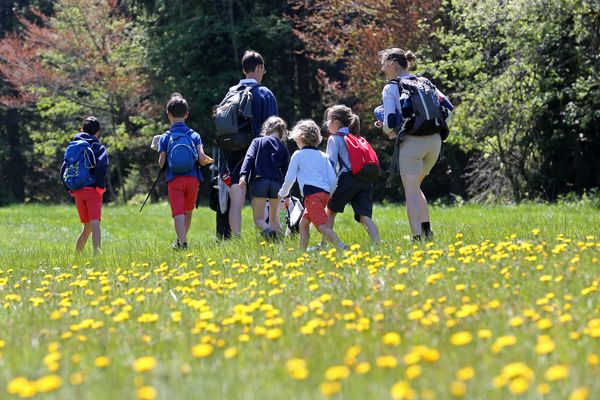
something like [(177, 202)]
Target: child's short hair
[(275, 124), (251, 60), (308, 132), (177, 106), (91, 125)]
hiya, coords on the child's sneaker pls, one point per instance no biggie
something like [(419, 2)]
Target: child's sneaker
[(178, 245)]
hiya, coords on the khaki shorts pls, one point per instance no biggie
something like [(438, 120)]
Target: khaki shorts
[(418, 154)]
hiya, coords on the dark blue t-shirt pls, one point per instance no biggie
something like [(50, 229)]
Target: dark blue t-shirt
[(164, 144)]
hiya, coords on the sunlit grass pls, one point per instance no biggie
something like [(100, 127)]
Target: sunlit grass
[(503, 303)]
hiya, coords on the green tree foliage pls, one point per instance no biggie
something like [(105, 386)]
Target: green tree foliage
[(87, 58), (526, 75)]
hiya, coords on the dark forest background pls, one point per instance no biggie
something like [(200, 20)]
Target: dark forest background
[(524, 76)]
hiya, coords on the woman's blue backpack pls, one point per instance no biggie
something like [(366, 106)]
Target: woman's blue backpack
[(79, 163), (182, 155)]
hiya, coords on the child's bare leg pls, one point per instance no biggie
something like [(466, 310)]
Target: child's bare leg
[(330, 235), (83, 237), (304, 229), (96, 235), (258, 212), (274, 206), (180, 230), (188, 221), (371, 228), (330, 222)]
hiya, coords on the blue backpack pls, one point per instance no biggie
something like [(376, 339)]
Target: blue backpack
[(79, 162), (181, 153)]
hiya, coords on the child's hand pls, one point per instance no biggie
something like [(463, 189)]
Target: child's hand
[(242, 182), (286, 202), (206, 160), (392, 135)]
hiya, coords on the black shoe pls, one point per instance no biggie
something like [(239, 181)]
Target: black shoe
[(178, 245)]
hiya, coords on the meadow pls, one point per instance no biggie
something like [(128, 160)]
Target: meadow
[(503, 303)]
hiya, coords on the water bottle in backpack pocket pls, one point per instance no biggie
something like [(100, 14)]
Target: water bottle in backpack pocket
[(79, 164), (181, 153)]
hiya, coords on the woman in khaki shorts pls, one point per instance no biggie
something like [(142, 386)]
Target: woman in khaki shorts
[(418, 154)]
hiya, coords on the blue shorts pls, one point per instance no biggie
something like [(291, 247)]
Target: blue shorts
[(265, 188)]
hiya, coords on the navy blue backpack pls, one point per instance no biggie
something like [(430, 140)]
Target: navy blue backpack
[(182, 155), (79, 164)]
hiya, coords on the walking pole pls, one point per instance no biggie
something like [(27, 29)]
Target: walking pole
[(154, 185)]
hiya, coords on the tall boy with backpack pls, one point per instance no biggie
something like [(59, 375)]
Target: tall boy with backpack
[(84, 174), (181, 153), (238, 119)]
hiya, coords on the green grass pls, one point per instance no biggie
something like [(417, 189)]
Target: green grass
[(491, 266)]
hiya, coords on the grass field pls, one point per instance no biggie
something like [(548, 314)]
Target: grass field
[(503, 303)]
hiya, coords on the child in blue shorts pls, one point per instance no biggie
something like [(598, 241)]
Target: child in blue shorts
[(264, 169)]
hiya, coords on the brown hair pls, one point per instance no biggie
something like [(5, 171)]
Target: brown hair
[(406, 59), (345, 116), (275, 124), (177, 106), (308, 132), (251, 60)]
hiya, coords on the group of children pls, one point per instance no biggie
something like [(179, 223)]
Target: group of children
[(325, 178)]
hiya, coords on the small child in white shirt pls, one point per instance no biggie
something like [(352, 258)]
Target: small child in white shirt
[(316, 178)]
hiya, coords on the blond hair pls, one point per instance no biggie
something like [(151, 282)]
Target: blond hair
[(275, 125), (307, 131)]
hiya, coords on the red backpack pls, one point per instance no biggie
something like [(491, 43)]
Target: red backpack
[(363, 159)]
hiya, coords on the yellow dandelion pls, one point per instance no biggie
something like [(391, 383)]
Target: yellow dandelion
[(47, 384), (580, 394), (391, 339), (337, 372), (431, 355), (461, 338), (413, 372), (458, 388), (465, 374), (230, 352), (387, 362), (146, 393), (330, 388), (144, 364), (297, 368), (556, 373), (544, 345), (362, 368), (593, 359), (102, 361), (202, 350), (402, 391), (518, 385)]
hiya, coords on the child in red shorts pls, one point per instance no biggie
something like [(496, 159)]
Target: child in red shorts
[(88, 199), (181, 152), (316, 178)]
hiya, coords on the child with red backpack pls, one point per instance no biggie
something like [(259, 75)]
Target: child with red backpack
[(357, 167), (181, 154), (84, 175)]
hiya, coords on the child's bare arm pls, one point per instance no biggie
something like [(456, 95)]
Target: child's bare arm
[(162, 158), (203, 159)]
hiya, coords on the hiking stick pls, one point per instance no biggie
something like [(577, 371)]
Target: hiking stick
[(154, 185)]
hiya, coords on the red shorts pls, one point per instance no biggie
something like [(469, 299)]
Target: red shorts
[(89, 204), (314, 208), (183, 191)]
